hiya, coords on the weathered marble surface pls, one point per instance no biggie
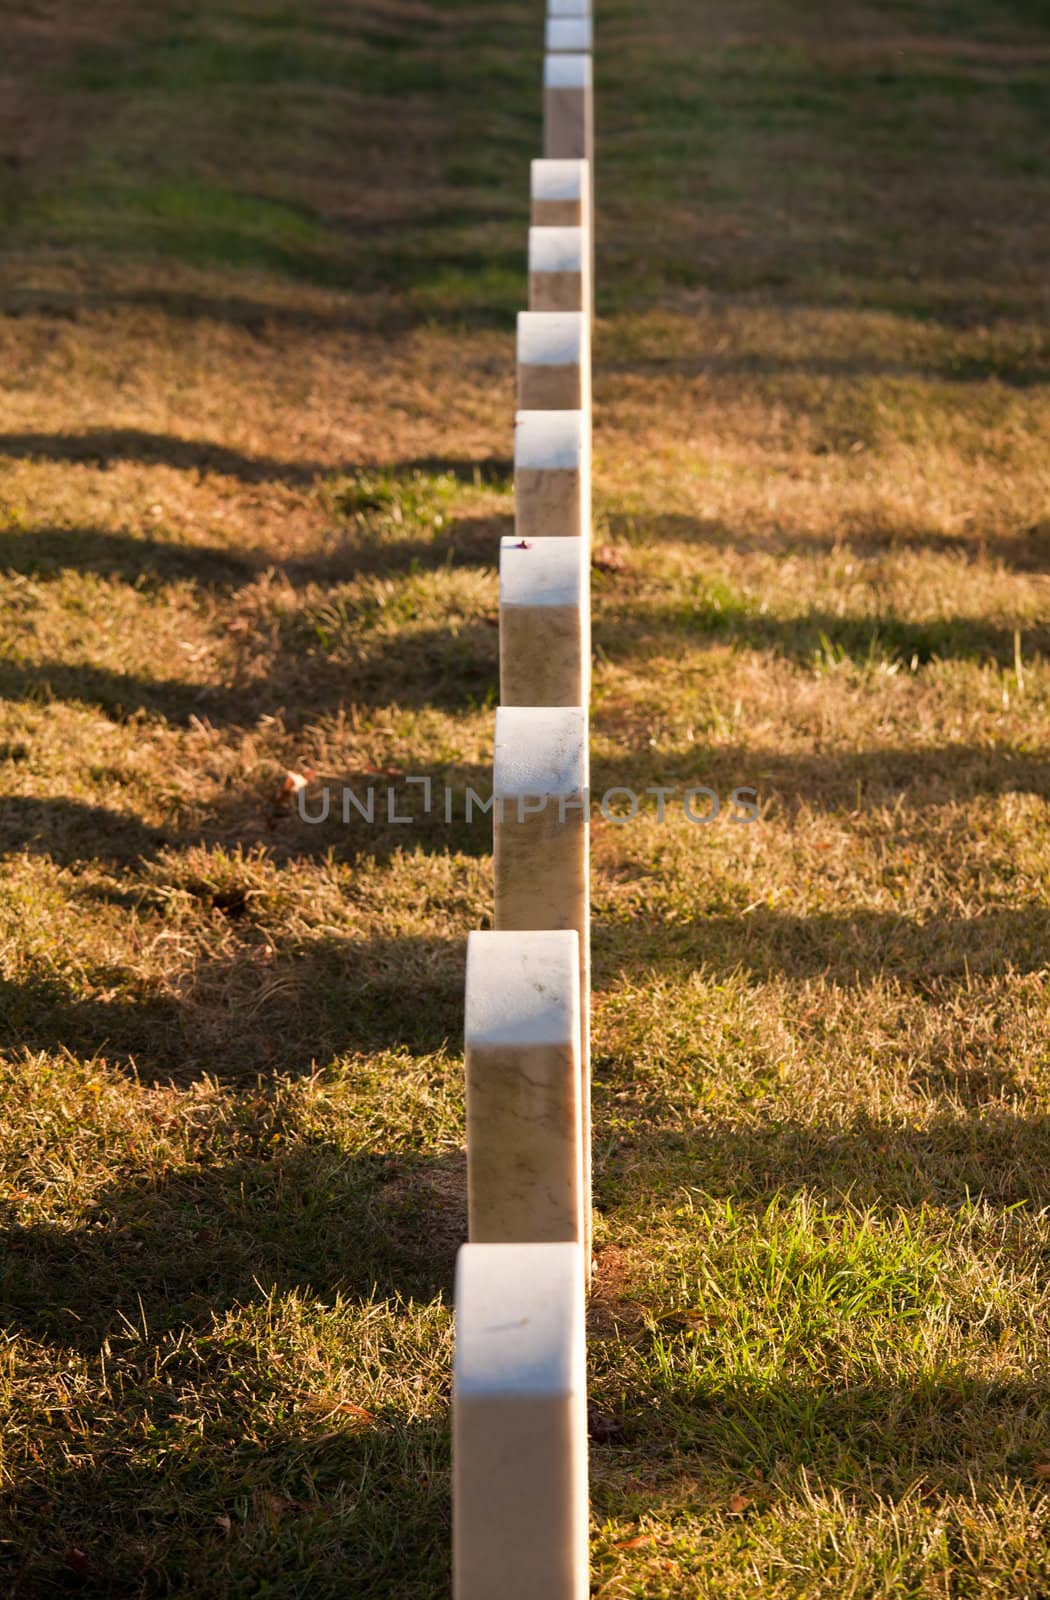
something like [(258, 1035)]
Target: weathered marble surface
[(559, 270), (568, 124), (569, 35), (524, 1134), (552, 475), (544, 622), (560, 194), (541, 865), (554, 361), (568, 107), (519, 1424)]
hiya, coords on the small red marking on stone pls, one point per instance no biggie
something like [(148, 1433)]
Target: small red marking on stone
[(523, 544)]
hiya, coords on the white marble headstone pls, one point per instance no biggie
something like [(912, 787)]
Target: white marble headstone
[(541, 857), (559, 270), (568, 107), (560, 193), (569, 35), (544, 622), (554, 361), (552, 475), (519, 1424), (524, 1136)]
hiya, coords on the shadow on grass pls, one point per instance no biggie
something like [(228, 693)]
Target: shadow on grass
[(466, 541), (1008, 370), (813, 636), (314, 1505), (179, 1249), (46, 552), (254, 1012), (101, 447), (453, 664), (1029, 552), (871, 1441), (71, 832), (454, 667), (990, 1153), (151, 563), (846, 947), (915, 778), (278, 1483)]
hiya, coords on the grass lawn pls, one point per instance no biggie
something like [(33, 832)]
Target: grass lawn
[(257, 289)]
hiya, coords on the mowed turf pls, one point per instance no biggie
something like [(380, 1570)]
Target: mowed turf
[(260, 268)]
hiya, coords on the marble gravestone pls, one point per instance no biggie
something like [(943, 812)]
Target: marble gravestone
[(544, 622), (568, 123), (554, 361), (568, 8), (519, 1424), (559, 270), (541, 865), (552, 475), (569, 35), (524, 1138), (559, 194), (568, 108)]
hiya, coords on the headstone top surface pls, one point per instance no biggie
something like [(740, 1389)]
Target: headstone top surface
[(552, 338), (523, 988), (541, 572), (572, 35), (549, 440), (567, 72), (556, 249), (539, 750), (558, 179), (519, 1320)]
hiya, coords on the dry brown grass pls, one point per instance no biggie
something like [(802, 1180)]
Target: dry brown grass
[(257, 343)]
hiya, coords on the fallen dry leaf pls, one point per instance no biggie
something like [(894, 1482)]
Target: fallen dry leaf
[(78, 1564), (294, 781), (290, 785), (337, 1408), (636, 1543), (346, 1408), (739, 1503), (608, 559)]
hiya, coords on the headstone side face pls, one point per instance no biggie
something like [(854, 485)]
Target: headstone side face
[(569, 35), (559, 270), (551, 388), (568, 122), (568, 108), (524, 1137), (552, 475), (554, 361), (544, 622), (540, 781), (560, 194), (519, 1424), (541, 851)]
